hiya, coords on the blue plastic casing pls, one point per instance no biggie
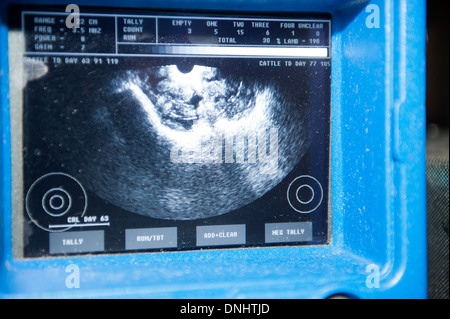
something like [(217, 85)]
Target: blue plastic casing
[(378, 243)]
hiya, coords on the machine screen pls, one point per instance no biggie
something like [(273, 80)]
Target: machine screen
[(162, 131)]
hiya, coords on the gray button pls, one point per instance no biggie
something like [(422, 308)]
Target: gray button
[(288, 232), (76, 242), (219, 235), (148, 238)]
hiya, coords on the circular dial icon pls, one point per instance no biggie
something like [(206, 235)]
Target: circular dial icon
[(55, 201), (305, 194)]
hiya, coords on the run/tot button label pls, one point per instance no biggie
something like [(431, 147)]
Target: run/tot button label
[(221, 235), (150, 238)]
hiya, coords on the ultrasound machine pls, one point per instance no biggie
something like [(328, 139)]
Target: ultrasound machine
[(251, 149)]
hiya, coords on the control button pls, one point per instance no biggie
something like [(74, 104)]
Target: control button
[(76, 242), (55, 199), (288, 232), (148, 238), (305, 194), (220, 235)]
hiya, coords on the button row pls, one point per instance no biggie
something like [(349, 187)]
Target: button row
[(166, 237)]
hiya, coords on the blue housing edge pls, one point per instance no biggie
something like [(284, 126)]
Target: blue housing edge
[(377, 178)]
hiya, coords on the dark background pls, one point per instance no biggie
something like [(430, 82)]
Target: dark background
[(437, 110), (437, 63)]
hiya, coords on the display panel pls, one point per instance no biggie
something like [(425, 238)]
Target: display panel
[(160, 131)]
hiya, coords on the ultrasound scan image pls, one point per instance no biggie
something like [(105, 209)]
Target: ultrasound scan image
[(172, 138)]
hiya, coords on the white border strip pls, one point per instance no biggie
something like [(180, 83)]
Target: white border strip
[(247, 51)]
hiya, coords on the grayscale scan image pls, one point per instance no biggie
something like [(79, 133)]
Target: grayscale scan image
[(168, 144)]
